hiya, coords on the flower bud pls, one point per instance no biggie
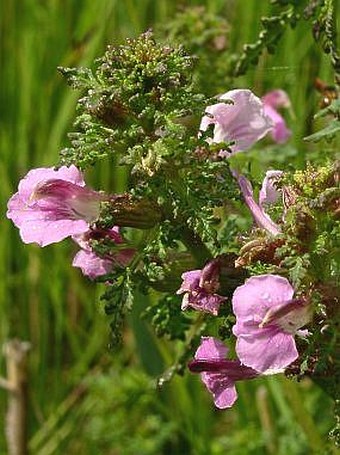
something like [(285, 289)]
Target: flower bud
[(124, 210)]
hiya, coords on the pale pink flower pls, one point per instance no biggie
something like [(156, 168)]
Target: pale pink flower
[(242, 121), (267, 318), (51, 205)]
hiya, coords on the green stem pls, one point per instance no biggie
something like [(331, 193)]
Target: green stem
[(195, 246)]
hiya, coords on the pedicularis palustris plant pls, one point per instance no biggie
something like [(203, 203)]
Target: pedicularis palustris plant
[(181, 230)]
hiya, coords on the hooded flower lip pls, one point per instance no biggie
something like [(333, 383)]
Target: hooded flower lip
[(218, 373), (199, 288), (51, 205), (272, 101), (267, 318), (67, 199), (93, 265), (244, 121)]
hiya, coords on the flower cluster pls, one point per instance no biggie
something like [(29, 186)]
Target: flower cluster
[(51, 205), (182, 179), (267, 315), (267, 320)]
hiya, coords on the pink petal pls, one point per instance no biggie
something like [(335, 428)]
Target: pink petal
[(202, 301), (244, 121), (280, 133), (190, 281), (274, 352), (259, 293), (211, 348), (39, 175), (37, 222), (91, 265), (252, 300), (44, 232), (276, 98), (222, 389)]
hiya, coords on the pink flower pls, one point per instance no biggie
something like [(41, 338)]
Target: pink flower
[(269, 193), (267, 318), (272, 101), (93, 265), (51, 205), (244, 121), (199, 288), (219, 374), (259, 215)]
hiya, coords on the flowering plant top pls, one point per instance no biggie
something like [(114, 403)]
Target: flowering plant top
[(271, 288)]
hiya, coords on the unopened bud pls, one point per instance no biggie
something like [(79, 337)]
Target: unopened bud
[(124, 210)]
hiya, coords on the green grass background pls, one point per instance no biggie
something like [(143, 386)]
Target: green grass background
[(85, 399)]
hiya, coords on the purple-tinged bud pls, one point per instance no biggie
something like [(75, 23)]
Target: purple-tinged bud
[(210, 276), (269, 192), (201, 298)]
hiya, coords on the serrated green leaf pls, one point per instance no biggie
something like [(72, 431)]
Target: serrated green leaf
[(326, 133)]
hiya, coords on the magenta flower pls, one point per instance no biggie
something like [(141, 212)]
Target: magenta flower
[(244, 121), (272, 101), (51, 205), (267, 318), (93, 265), (199, 288), (218, 373), (260, 216)]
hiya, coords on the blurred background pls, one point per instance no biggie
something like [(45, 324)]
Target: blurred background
[(83, 397)]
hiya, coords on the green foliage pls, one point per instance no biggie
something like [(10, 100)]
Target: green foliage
[(206, 37), (118, 300), (274, 27), (332, 128), (287, 13), (134, 92), (168, 319), (46, 301), (324, 30)]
